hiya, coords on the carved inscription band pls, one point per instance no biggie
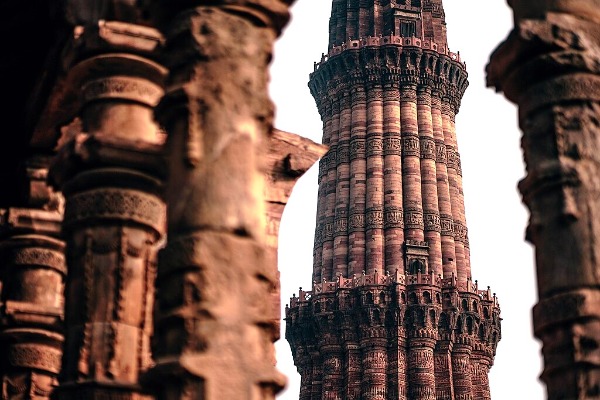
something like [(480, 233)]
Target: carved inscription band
[(118, 204)]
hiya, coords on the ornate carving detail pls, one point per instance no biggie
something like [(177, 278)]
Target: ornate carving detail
[(410, 146), (440, 151), (116, 204), (328, 229), (375, 218), (460, 232), (413, 219), (341, 226), (394, 217), (432, 221), (447, 225), (428, 148), (357, 222), (40, 256), (36, 356), (343, 152), (357, 149), (122, 87), (392, 146), (374, 147)]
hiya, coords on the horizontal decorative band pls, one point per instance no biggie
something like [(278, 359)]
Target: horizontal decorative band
[(375, 218), (432, 221), (120, 204), (35, 356)]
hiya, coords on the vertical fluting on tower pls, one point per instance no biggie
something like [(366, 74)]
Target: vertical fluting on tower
[(456, 193), (392, 177), (392, 313), (411, 164), (342, 201), (444, 203), (330, 184), (431, 214), (374, 182), (358, 170)]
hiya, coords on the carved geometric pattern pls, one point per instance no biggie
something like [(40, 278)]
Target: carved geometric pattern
[(447, 225), (392, 146), (394, 217), (428, 149), (119, 204), (374, 147), (375, 218), (432, 221), (35, 356), (413, 219), (410, 145), (357, 222), (357, 149)]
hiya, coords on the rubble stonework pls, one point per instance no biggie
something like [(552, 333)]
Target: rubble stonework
[(548, 67), (393, 312)]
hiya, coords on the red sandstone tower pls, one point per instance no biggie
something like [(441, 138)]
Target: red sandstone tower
[(393, 312)]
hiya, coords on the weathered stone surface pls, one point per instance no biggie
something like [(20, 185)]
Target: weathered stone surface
[(548, 67)]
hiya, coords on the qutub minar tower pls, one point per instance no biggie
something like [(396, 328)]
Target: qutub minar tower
[(393, 312)]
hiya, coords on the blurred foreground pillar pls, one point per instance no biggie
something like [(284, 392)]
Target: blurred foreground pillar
[(549, 67), (216, 318)]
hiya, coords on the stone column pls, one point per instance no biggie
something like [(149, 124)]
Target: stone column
[(331, 352), (443, 190), (358, 170), (431, 214), (374, 178), (411, 166), (456, 191), (330, 138), (317, 376), (392, 178), (548, 67), (461, 368), (342, 193), (32, 277), (374, 360), (481, 361), (444, 385), (421, 370), (110, 173), (353, 367), (214, 328)]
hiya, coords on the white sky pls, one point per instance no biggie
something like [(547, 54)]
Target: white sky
[(488, 141)]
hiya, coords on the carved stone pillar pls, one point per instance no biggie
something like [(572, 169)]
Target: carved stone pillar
[(461, 368), (110, 174), (548, 67), (214, 327), (32, 275), (358, 189), (392, 176)]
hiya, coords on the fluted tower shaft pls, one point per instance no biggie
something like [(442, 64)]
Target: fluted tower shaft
[(393, 312)]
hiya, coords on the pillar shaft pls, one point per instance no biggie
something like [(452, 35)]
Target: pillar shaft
[(214, 328), (444, 202), (344, 119), (559, 105), (392, 175), (411, 166), (429, 189), (32, 278), (374, 181), (358, 170)]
